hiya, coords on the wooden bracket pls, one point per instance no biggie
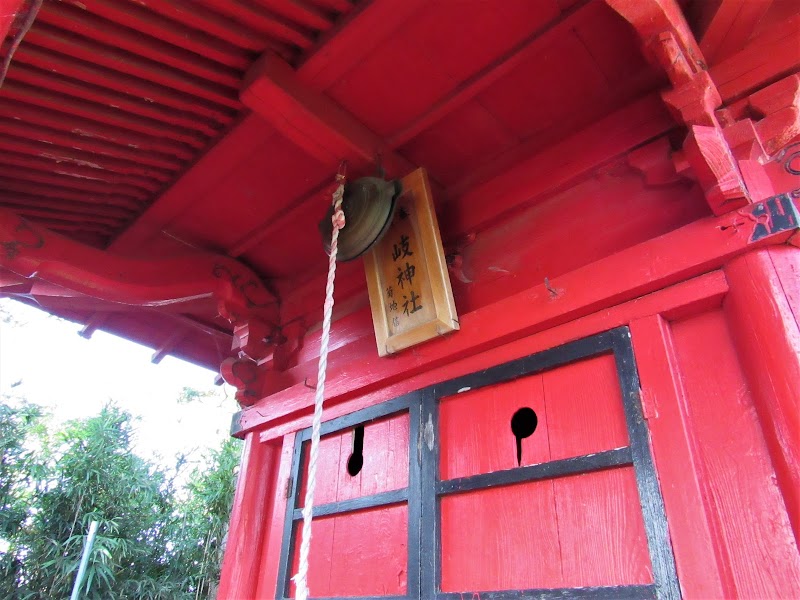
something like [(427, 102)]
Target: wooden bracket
[(246, 376), (288, 347), (726, 148)]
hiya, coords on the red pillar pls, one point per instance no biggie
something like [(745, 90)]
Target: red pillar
[(251, 510), (763, 308)]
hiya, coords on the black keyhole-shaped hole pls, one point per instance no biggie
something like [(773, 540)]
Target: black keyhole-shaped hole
[(523, 424), (356, 460)]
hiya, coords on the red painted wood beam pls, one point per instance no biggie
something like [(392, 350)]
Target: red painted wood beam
[(305, 13), (31, 251), (95, 95), (74, 183), (706, 245), (62, 155), (687, 298), (730, 26), (517, 178), (194, 15), (50, 100), (269, 22), (166, 347), (34, 212), (339, 50), (64, 227), (651, 19), (84, 49), (262, 232), (23, 138), (312, 120), (242, 141), (691, 531), (252, 515), (173, 32), (44, 191), (13, 200), (50, 165), (90, 128), (89, 73), (9, 10), (83, 22)]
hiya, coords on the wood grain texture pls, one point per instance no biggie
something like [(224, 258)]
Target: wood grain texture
[(740, 491), (601, 532), (489, 538), (411, 300), (475, 429), (702, 572), (358, 554), (385, 462), (765, 329), (704, 245), (584, 408), (690, 297), (585, 530), (250, 517)]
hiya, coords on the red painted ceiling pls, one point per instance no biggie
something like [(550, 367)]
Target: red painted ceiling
[(121, 124)]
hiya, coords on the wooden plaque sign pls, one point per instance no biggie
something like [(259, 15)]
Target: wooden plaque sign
[(409, 286)]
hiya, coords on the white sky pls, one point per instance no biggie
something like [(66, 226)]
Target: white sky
[(73, 377)]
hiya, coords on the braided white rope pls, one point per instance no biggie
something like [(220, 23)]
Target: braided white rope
[(301, 579)]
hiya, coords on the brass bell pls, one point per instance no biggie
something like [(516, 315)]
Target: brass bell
[(368, 204)]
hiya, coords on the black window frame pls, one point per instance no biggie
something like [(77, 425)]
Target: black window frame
[(424, 489)]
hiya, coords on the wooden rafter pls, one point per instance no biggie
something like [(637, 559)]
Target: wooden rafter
[(728, 25)]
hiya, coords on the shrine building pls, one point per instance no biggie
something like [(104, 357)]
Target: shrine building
[(562, 355)]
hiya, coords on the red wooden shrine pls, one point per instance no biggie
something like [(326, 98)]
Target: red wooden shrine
[(617, 186)]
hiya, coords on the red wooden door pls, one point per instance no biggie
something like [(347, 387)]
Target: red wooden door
[(531, 479)]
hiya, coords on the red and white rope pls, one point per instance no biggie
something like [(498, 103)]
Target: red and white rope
[(301, 578)]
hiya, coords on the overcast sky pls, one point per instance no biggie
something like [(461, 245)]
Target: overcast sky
[(73, 377)]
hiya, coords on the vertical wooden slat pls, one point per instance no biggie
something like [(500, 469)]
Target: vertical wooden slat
[(702, 572)]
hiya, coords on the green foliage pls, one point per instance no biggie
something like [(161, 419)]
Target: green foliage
[(189, 395), (154, 541)]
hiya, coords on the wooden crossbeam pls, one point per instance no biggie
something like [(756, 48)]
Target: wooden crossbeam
[(312, 120)]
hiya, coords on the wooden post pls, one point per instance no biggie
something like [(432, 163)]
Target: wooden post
[(240, 566), (763, 307)]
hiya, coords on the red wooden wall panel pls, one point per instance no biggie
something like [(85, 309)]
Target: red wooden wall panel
[(584, 408), (578, 407), (501, 538), (475, 429), (358, 554), (748, 515), (574, 531), (600, 530), (385, 465)]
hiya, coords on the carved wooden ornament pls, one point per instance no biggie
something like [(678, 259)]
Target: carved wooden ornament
[(409, 285)]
